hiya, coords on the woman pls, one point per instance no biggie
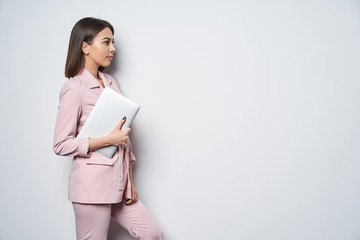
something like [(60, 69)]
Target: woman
[(99, 187)]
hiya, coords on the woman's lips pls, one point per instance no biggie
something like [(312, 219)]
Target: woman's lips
[(110, 57)]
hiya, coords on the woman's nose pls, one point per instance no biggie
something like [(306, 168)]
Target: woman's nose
[(112, 49)]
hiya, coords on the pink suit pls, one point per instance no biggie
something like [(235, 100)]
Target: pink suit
[(94, 178)]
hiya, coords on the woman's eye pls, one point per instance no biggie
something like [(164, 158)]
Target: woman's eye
[(107, 42)]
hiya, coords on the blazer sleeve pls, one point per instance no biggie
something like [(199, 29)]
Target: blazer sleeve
[(69, 112)]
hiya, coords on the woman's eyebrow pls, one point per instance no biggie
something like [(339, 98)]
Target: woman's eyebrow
[(106, 38)]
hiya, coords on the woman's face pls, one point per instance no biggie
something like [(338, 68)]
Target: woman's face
[(101, 51)]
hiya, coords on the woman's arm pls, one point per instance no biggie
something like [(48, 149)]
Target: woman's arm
[(69, 111)]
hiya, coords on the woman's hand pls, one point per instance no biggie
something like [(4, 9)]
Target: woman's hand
[(134, 196), (117, 136)]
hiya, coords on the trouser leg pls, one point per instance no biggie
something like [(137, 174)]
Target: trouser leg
[(92, 221), (137, 220)]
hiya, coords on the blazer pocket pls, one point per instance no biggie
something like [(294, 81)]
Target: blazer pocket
[(99, 159)]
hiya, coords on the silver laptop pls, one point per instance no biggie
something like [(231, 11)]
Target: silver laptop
[(108, 111)]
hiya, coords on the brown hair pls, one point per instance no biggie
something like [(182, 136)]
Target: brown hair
[(83, 31)]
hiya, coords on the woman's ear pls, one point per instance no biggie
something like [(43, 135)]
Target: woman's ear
[(85, 48)]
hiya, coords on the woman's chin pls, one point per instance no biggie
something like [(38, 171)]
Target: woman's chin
[(105, 65)]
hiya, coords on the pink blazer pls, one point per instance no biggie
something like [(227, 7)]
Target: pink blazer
[(94, 178)]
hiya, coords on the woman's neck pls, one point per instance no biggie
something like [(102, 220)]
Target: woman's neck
[(92, 68), (93, 71)]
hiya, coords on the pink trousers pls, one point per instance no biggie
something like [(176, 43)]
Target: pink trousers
[(93, 221)]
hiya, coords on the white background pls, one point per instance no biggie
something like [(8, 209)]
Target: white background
[(249, 126)]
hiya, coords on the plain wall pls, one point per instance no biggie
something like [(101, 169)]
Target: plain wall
[(249, 121)]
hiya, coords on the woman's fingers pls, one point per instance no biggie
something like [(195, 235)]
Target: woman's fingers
[(118, 136), (126, 131), (129, 201), (134, 194), (121, 123)]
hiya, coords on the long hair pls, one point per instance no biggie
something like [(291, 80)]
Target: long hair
[(84, 30)]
